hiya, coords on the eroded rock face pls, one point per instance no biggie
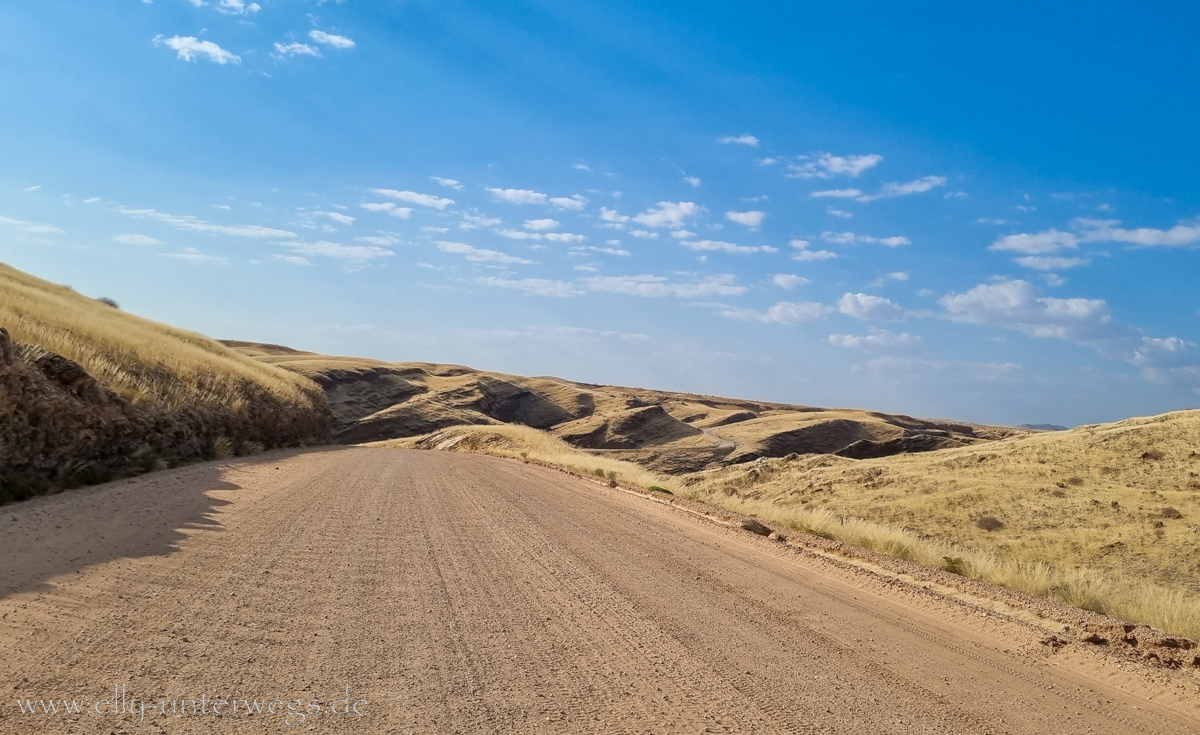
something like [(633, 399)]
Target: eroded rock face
[(56, 420)]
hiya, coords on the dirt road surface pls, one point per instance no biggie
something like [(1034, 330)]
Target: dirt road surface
[(456, 593)]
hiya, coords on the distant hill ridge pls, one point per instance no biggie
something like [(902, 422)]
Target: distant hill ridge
[(670, 432)]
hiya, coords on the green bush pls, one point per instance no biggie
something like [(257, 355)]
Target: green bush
[(659, 489), (14, 489)]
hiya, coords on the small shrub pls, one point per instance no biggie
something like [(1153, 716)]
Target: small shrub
[(220, 448), (1075, 481), (1170, 512), (659, 489), (599, 472), (89, 475), (109, 302), (245, 449), (1152, 455), (15, 489), (612, 475), (150, 463), (989, 523), (954, 565)]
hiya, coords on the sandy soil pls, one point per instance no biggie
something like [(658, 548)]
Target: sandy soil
[(468, 594)]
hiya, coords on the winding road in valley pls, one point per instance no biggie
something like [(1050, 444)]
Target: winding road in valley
[(439, 593)]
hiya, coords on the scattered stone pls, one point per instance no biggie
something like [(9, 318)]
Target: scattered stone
[(754, 525)]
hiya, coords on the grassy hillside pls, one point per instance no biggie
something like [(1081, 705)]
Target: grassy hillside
[(1106, 517), (89, 392), (139, 359)]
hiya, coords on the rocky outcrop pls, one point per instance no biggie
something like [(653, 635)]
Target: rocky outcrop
[(60, 426), (631, 429), (868, 449)]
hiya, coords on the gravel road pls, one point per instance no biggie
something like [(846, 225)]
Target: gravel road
[(456, 593)]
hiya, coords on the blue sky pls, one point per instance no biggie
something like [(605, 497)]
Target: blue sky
[(980, 211)]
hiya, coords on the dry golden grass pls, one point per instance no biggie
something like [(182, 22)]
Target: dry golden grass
[(522, 442), (141, 359), (1054, 494)]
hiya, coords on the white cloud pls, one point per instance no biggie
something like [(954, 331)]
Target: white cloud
[(784, 312), (743, 139), (381, 240), (668, 214), (294, 259), (606, 251), (612, 216), (849, 165), (805, 255), (541, 224), (694, 181), (477, 255), (726, 247), (1016, 305), (195, 257), (645, 234), (357, 253), (32, 188), (574, 202), (870, 308), (682, 234), (190, 48), (658, 286), (839, 213), (425, 200), (30, 228), (878, 339), (345, 219), (188, 222), (237, 7), (752, 218), (1050, 263), (917, 186), (837, 193), (1107, 231), (536, 286), (518, 196), (388, 208), (296, 49), (329, 39), (828, 165), (477, 221), (448, 183), (1039, 243), (137, 240), (787, 280), (519, 234), (564, 237), (847, 238)]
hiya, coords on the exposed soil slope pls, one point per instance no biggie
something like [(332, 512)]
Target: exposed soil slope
[(671, 432), (87, 390), (459, 593)]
